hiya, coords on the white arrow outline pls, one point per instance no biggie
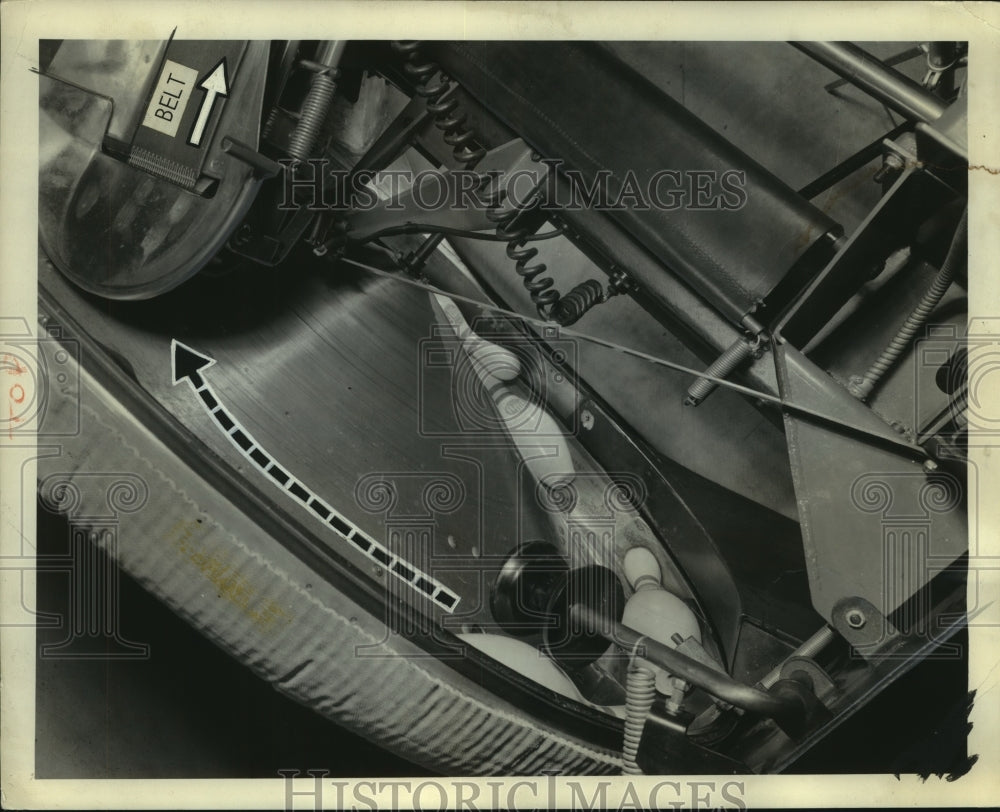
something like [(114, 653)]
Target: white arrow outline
[(214, 86), (295, 489)]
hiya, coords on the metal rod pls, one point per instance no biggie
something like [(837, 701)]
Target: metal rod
[(860, 68), (898, 443), (329, 51), (263, 166), (809, 649), (718, 684), (863, 156)]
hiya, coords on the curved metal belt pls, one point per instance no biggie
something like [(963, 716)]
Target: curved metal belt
[(219, 570)]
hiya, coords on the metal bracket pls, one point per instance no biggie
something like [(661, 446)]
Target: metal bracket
[(862, 625), (512, 168)]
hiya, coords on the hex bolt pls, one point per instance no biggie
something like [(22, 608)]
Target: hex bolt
[(587, 420)]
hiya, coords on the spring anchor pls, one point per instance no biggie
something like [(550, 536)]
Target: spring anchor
[(316, 106), (441, 103)]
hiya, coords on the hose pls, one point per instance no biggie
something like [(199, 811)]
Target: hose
[(640, 692), (957, 254)]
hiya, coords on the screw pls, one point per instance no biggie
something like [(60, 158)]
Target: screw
[(586, 420), (856, 619), (930, 466)]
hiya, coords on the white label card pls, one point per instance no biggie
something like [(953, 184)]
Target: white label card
[(170, 98)]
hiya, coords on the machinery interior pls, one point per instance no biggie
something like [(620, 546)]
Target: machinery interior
[(620, 389)]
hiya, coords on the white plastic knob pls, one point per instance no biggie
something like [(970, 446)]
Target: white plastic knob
[(642, 570)]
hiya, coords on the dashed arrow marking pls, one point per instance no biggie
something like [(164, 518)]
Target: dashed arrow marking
[(189, 364)]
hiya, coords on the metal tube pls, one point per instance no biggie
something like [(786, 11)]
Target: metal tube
[(718, 684), (889, 86), (329, 51)]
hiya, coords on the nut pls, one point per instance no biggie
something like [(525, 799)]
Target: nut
[(856, 619)]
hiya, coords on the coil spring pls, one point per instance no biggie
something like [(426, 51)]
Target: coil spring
[(445, 110), (640, 692), (731, 359), (578, 301), (551, 305), (957, 253), (314, 110)]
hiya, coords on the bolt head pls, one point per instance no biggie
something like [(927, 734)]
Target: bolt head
[(856, 619)]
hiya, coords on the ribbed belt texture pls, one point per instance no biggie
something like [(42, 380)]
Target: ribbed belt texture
[(221, 572)]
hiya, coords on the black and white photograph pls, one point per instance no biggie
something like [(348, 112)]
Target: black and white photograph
[(499, 405)]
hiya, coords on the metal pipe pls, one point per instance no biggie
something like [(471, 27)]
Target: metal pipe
[(860, 68), (717, 683), (329, 51), (895, 59)]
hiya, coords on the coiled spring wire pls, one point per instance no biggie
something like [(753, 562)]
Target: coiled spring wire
[(640, 693), (316, 105), (551, 305), (441, 104), (957, 254), (448, 118)]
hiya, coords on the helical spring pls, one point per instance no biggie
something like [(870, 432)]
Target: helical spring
[(640, 693), (957, 254), (551, 305), (544, 296), (738, 353), (317, 103), (578, 301), (448, 118)]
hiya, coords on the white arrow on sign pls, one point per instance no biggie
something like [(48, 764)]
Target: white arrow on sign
[(215, 84)]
